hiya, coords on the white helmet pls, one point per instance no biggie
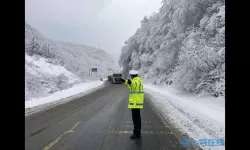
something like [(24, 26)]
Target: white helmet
[(133, 72)]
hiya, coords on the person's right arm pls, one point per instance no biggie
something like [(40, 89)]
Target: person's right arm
[(127, 83)]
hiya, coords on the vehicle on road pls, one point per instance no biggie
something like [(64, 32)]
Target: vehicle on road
[(116, 78), (110, 78)]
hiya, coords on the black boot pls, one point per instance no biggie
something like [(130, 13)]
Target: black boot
[(134, 136)]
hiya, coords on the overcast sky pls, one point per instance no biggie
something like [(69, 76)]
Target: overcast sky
[(104, 23)]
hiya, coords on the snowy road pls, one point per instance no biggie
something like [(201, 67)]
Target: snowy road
[(97, 121)]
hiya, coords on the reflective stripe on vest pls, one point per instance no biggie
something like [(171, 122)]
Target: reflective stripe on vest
[(136, 92), (140, 86), (135, 103)]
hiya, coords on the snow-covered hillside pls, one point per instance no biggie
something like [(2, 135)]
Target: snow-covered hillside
[(182, 45), (51, 66)]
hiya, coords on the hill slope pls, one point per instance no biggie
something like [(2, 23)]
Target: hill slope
[(51, 66)]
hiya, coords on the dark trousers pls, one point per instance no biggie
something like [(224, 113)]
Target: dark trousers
[(136, 117)]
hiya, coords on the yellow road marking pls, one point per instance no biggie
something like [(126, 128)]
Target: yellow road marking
[(125, 132), (58, 138)]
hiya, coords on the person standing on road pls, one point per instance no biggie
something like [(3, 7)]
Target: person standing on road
[(136, 99)]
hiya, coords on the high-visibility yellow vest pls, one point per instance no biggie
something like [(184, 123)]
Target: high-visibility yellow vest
[(136, 93)]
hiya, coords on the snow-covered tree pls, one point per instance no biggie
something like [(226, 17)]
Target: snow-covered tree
[(183, 44), (33, 47)]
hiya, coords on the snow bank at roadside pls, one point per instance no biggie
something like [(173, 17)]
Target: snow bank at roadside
[(43, 78), (59, 95), (198, 117)]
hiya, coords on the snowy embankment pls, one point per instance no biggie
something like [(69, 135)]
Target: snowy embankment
[(198, 117), (43, 78), (60, 97)]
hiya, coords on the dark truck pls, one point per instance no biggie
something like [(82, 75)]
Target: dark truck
[(110, 78), (116, 78)]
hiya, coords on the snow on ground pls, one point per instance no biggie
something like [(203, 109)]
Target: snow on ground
[(42, 66), (60, 97), (198, 117), (43, 78), (57, 96)]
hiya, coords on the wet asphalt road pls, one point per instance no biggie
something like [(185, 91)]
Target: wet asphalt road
[(98, 121)]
